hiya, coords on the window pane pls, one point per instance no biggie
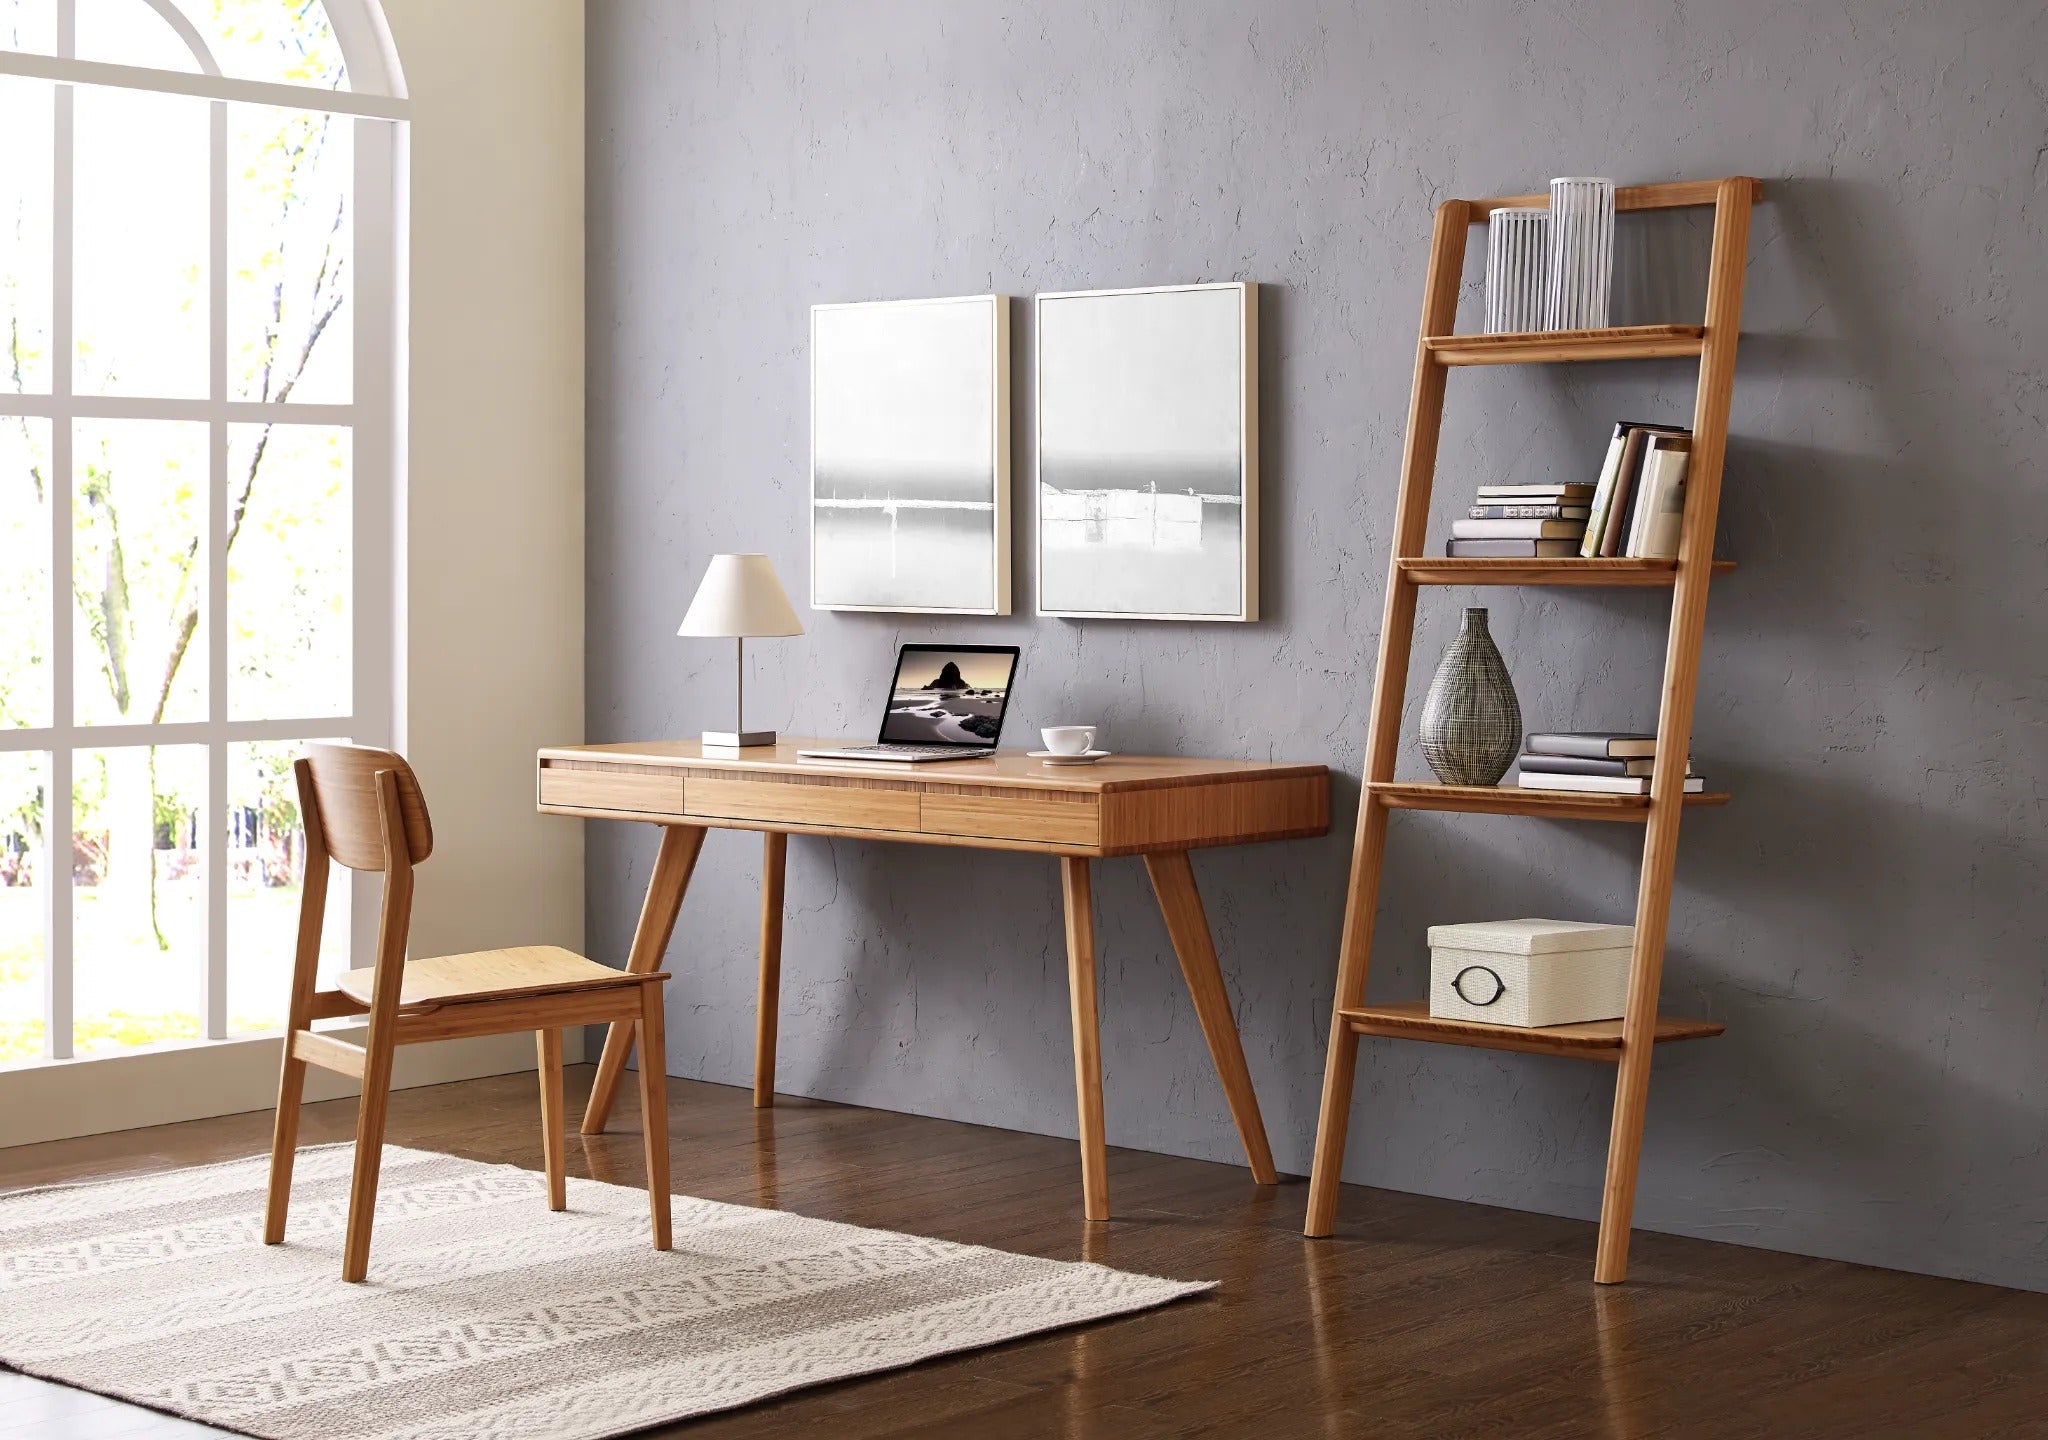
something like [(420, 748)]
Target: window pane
[(291, 254), (138, 896), (26, 111), (266, 873), (24, 881), (284, 40), (289, 626), (139, 243), (28, 25), (138, 571), (129, 32), (24, 571)]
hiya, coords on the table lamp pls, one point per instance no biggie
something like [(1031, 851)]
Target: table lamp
[(739, 597)]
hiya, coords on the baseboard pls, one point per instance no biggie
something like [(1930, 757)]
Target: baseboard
[(60, 1099)]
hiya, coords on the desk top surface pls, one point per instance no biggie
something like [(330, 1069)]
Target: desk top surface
[(1004, 768)]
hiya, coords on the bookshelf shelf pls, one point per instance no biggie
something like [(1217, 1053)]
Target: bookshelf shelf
[(1627, 1044), (1670, 195), (1594, 1040), (1549, 347), (1459, 570), (1513, 800)]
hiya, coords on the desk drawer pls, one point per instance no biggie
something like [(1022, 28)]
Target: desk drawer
[(1002, 815), (853, 804), (610, 787)]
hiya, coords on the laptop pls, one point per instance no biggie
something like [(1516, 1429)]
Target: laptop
[(945, 703)]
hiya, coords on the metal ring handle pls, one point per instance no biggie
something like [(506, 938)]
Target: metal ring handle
[(1500, 987)]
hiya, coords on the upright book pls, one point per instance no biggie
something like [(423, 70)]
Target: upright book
[(1608, 521), (1603, 490), (1621, 514), (1660, 499)]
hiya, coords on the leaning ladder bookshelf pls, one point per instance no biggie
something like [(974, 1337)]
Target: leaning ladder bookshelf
[(1628, 1043)]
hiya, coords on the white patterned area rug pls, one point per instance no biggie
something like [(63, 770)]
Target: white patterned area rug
[(486, 1314)]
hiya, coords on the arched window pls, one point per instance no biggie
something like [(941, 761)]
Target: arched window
[(197, 420)]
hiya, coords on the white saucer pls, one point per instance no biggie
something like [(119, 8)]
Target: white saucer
[(1086, 757)]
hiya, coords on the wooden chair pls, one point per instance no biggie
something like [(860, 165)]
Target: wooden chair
[(363, 809)]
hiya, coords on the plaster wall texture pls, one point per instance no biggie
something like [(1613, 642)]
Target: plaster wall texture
[(1867, 917)]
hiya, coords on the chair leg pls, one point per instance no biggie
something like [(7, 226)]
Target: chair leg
[(362, 1190), (554, 1145), (654, 1108), (284, 1144)]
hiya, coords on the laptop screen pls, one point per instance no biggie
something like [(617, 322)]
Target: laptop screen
[(949, 695)]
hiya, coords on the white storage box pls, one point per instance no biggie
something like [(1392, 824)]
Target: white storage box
[(1529, 972)]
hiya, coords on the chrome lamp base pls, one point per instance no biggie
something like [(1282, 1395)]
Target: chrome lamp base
[(737, 739)]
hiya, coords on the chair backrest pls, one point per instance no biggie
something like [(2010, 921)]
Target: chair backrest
[(345, 792)]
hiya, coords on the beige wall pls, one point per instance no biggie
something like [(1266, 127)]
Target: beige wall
[(494, 518)]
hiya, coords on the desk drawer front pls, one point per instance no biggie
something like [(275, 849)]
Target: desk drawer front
[(612, 787), (1230, 813), (800, 802), (1011, 816)]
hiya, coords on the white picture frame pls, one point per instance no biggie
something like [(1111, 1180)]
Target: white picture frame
[(911, 396), (1158, 383)]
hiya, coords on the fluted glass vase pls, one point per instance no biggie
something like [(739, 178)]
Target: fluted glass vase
[(1471, 721), (1581, 253), (1517, 269)]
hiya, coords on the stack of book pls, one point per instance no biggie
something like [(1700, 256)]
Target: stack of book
[(1599, 761), (1523, 522), (1635, 508), (1638, 503)]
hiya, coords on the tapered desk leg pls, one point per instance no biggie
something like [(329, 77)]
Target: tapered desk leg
[(768, 1002), (1173, 879), (665, 887), (1080, 905)]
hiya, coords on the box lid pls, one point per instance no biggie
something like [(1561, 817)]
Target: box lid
[(1531, 937)]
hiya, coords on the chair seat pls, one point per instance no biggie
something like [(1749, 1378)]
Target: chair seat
[(494, 974)]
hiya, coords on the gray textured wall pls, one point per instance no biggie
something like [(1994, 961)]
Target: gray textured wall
[(1867, 918)]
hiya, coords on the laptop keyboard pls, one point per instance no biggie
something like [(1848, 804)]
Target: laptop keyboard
[(904, 752)]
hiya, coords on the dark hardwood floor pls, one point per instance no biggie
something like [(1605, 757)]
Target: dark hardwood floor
[(1423, 1317)]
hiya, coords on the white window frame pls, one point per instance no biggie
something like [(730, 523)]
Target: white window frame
[(373, 415)]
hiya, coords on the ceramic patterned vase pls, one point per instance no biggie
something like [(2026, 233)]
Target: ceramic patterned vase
[(1471, 722)]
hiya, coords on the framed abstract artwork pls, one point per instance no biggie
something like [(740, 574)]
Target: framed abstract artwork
[(910, 456), (1148, 446)]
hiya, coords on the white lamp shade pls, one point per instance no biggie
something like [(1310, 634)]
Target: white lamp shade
[(740, 596)]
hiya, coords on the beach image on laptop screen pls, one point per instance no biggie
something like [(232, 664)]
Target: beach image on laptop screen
[(948, 697)]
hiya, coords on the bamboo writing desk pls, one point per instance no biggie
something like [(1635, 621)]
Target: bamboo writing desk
[(1159, 808)]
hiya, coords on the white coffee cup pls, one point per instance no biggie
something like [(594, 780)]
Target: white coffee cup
[(1068, 739)]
